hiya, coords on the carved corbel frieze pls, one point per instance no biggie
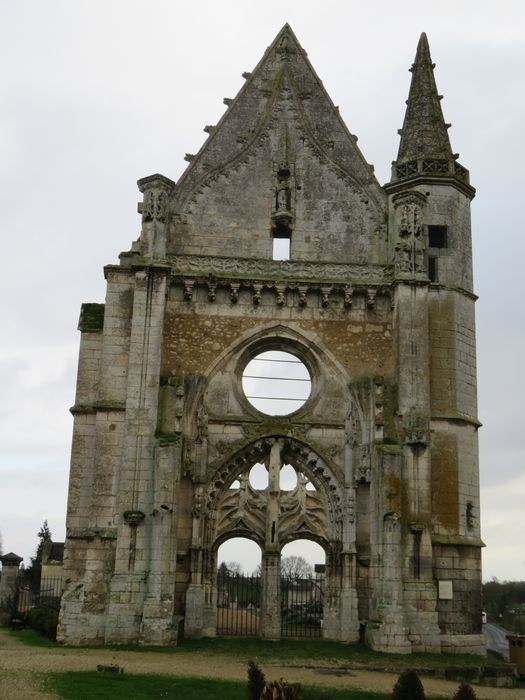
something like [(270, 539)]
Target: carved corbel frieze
[(302, 290), (348, 294), (325, 296), (341, 296), (234, 292), (188, 289), (212, 290), (257, 293), (280, 290)]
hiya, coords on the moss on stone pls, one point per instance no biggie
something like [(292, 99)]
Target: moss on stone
[(168, 438), (390, 408), (192, 380), (389, 448), (91, 318)]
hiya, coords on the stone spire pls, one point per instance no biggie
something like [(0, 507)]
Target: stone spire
[(424, 149), (424, 132)]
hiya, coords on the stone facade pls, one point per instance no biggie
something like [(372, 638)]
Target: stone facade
[(375, 299)]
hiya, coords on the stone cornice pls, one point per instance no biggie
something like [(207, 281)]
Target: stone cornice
[(89, 533), (156, 180), (461, 290), (458, 540), (90, 408), (423, 281), (261, 268), (457, 418), (117, 269), (420, 179), (274, 423), (137, 263)]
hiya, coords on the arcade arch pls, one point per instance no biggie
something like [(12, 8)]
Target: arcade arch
[(281, 495)]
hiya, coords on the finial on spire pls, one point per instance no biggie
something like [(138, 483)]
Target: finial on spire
[(424, 148), (424, 132)]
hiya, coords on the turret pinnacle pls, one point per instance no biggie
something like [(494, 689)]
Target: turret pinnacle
[(424, 149), (424, 132)]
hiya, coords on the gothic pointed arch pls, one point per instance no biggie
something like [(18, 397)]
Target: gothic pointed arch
[(314, 514)]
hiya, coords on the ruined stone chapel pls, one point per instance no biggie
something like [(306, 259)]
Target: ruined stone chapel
[(276, 265)]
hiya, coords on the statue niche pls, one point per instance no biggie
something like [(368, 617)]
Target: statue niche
[(409, 250)]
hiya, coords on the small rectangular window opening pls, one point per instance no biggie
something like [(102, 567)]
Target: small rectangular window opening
[(281, 248), (432, 268), (437, 237)]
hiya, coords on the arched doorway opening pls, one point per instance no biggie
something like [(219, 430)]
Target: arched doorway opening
[(284, 497), (238, 586), (303, 583)]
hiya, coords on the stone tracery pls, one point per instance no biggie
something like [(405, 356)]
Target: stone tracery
[(317, 512)]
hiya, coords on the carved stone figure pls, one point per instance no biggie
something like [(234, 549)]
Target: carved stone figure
[(202, 421)]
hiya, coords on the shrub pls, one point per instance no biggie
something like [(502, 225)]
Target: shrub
[(465, 692), (408, 687), (280, 690), (43, 620), (256, 681), (8, 610)]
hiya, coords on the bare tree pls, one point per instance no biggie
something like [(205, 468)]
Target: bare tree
[(295, 567), (234, 568)]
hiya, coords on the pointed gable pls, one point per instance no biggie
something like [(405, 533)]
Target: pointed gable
[(280, 155)]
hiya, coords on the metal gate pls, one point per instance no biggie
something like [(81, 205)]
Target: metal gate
[(302, 606), (43, 594), (238, 604)]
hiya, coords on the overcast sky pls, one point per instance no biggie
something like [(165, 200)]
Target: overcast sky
[(96, 94)]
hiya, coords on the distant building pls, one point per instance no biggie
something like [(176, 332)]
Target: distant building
[(278, 239), (52, 559)]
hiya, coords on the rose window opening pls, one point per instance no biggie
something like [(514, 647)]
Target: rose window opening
[(276, 383)]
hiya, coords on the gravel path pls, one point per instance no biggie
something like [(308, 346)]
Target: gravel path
[(19, 663)]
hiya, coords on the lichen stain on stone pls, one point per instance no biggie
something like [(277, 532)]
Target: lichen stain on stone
[(392, 490), (442, 334), (444, 480)]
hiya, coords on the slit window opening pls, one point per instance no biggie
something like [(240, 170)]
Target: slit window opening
[(437, 237), (432, 268), (281, 248)]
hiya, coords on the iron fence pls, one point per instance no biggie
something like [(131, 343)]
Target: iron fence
[(46, 594), (239, 599), (238, 604), (302, 606)]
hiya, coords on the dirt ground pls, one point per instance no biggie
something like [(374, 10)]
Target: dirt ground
[(18, 664)]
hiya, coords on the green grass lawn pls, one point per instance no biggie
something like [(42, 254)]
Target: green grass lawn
[(289, 651), (32, 638), (96, 686), (317, 650)]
